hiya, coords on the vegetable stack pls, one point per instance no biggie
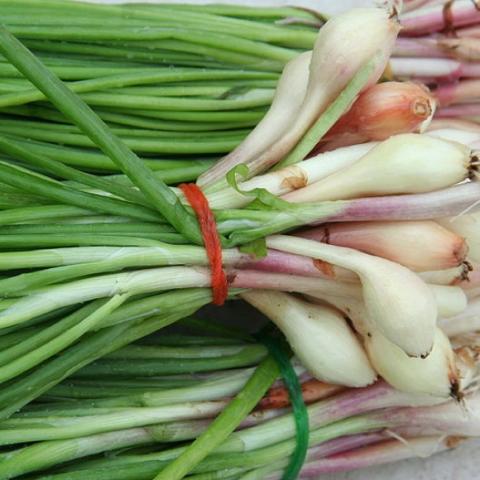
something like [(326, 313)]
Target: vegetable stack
[(336, 210)]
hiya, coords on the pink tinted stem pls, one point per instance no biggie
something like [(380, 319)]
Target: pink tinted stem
[(442, 203), (440, 17), (418, 47), (468, 32), (290, 283), (441, 69), (282, 262), (381, 453), (344, 444), (463, 110), (463, 91)]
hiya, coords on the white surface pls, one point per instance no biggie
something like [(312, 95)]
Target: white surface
[(460, 464)]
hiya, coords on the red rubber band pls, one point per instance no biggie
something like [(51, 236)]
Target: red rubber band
[(198, 201)]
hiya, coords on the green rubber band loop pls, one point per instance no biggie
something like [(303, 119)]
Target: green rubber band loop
[(280, 352)]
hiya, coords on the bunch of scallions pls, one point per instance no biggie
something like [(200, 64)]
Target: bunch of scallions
[(344, 217)]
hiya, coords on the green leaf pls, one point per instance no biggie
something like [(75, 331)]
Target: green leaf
[(257, 248), (264, 200)]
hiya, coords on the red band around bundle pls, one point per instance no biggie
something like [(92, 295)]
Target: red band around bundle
[(211, 239)]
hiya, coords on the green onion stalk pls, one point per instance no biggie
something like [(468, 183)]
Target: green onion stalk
[(100, 252), (130, 427), (161, 83)]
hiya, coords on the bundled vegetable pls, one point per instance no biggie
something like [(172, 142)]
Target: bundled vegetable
[(167, 389), (355, 236)]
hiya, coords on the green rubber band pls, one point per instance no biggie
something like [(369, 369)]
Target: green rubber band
[(279, 350)]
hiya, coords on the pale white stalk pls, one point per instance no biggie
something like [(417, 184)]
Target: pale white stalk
[(435, 375), (444, 68), (132, 283), (407, 163), (319, 336), (293, 283), (292, 177), (289, 96), (420, 246), (449, 276), (366, 457), (448, 418), (397, 301), (453, 124), (467, 226), (465, 322), (344, 45), (347, 297), (353, 307), (450, 300), (460, 135), (473, 292)]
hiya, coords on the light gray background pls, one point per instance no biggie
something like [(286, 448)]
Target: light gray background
[(460, 464)]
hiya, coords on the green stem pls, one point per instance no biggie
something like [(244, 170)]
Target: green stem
[(145, 122), (224, 424), (38, 337), (77, 240), (89, 349), (43, 186), (76, 263), (74, 108), (59, 342), (10, 147), (241, 11), (216, 389), (142, 352), (231, 26), (80, 392), (93, 228), (138, 77), (93, 160), (44, 212), (249, 355), (124, 34), (50, 428), (254, 98), (145, 57), (253, 114), (174, 145)]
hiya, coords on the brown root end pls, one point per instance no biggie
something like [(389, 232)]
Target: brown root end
[(394, 14), (455, 391), (448, 18), (464, 274), (454, 441), (473, 167), (423, 356), (231, 276), (460, 251), (325, 267), (422, 108), (297, 180)]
